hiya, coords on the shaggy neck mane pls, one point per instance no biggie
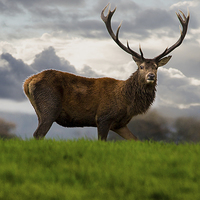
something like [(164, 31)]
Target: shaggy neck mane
[(139, 94)]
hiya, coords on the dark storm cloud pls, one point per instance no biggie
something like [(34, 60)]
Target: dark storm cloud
[(82, 18), (154, 18), (49, 60), (12, 75), (172, 84), (142, 22), (88, 72), (128, 7), (9, 8), (87, 28), (139, 23), (14, 71), (18, 6), (28, 3)]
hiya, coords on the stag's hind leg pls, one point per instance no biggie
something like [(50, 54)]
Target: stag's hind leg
[(42, 129), (47, 105), (46, 117), (125, 133)]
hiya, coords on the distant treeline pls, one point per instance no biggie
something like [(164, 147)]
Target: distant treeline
[(150, 126), (153, 126)]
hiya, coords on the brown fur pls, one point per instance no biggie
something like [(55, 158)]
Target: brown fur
[(105, 103)]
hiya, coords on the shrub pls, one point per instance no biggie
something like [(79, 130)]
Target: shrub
[(6, 129)]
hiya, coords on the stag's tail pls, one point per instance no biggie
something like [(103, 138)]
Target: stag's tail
[(28, 90), (26, 87), (29, 86)]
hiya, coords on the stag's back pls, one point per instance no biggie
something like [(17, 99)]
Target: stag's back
[(78, 99)]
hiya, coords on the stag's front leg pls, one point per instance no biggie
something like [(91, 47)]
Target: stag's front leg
[(103, 128), (125, 133)]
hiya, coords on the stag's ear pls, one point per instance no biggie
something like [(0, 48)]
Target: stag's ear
[(164, 61)]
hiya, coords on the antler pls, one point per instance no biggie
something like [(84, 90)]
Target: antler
[(184, 22), (107, 21)]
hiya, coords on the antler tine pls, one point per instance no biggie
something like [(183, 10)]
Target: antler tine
[(141, 52), (179, 16), (184, 22), (133, 52), (109, 15), (117, 33), (107, 21)]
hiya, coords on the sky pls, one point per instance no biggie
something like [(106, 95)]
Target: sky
[(69, 35)]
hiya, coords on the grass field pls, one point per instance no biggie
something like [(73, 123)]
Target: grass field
[(84, 169)]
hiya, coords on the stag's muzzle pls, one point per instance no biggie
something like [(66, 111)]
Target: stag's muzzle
[(151, 78)]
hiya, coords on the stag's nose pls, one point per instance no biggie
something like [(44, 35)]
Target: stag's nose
[(151, 77)]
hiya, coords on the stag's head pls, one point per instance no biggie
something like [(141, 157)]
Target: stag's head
[(147, 68)]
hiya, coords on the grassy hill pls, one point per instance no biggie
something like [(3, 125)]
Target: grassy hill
[(84, 169)]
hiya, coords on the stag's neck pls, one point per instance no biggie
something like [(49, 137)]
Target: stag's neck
[(138, 94)]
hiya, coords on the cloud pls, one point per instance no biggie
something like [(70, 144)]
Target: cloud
[(12, 74), (193, 7), (18, 6), (48, 59), (184, 4), (82, 18), (9, 8), (14, 71), (186, 58), (154, 18), (77, 34), (176, 90), (88, 72)]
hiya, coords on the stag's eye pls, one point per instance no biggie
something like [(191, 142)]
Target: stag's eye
[(141, 67)]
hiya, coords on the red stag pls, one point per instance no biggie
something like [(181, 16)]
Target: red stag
[(105, 103)]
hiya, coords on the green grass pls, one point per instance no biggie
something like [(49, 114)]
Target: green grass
[(83, 169)]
